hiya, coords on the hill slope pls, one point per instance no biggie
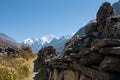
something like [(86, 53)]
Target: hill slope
[(6, 41)]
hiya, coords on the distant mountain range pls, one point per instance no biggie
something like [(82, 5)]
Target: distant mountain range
[(49, 40), (6, 41)]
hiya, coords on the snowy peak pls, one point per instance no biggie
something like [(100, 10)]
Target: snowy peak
[(29, 41), (48, 38), (42, 41), (69, 36)]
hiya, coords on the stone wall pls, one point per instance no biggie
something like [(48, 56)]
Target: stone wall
[(95, 56)]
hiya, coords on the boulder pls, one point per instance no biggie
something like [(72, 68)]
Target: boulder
[(105, 11), (112, 28)]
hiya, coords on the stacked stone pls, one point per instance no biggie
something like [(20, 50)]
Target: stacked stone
[(8, 51), (95, 56)]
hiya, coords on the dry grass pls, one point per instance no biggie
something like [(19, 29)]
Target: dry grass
[(18, 68), (8, 73), (14, 69)]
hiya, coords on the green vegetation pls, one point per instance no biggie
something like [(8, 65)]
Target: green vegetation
[(40, 69)]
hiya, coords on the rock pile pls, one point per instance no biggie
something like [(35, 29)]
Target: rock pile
[(8, 51), (47, 54), (95, 56)]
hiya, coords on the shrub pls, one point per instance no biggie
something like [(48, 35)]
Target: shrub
[(7, 74), (26, 52), (25, 69), (14, 69)]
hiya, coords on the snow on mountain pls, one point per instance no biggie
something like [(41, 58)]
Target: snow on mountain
[(48, 40), (30, 41)]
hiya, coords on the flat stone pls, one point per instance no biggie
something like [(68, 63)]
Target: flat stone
[(69, 75), (62, 66), (105, 42), (110, 50), (92, 73), (83, 52)]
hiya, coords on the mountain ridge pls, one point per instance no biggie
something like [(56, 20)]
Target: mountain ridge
[(7, 41), (116, 6), (49, 40)]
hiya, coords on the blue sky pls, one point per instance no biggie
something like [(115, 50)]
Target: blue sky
[(21, 19)]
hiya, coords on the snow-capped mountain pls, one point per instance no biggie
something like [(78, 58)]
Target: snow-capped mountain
[(42, 41), (31, 41), (48, 40)]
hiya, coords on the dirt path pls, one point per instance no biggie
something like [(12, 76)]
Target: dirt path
[(33, 73), (32, 69)]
